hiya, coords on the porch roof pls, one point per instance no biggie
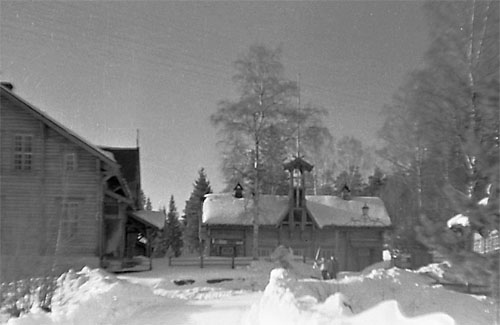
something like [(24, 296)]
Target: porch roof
[(155, 219)]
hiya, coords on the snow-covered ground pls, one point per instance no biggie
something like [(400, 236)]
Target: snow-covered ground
[(258, 295)]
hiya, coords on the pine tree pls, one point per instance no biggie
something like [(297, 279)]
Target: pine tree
[(173, 233), (193, 212)]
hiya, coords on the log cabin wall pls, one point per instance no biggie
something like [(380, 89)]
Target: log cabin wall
[(62, 181)]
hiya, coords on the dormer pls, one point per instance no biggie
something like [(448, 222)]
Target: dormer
[(238, 191)]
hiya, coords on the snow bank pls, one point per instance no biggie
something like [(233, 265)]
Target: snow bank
[(380, 297), (91, 296), (374, 296)]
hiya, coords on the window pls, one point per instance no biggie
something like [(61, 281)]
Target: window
[(23, 152), (264, 251), (70, 161), (69, 219)]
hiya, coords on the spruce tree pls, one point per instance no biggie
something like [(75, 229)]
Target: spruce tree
[(149, 206), (193, 211), (173, 233), (159, 242), (375, 183)]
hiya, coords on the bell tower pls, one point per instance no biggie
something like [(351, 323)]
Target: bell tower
[(297, 192)]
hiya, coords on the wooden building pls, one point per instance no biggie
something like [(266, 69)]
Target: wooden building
[(64, 201), (349, 228)]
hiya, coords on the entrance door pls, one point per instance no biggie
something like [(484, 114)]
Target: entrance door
[(364, 257)]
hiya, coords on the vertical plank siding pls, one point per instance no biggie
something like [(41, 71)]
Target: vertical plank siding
[(31, 200)]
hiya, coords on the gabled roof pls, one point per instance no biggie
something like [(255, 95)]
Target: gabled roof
[(58, 127), (129, 161), (224, 209)]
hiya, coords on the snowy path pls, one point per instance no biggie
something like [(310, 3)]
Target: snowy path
[(227, 310)]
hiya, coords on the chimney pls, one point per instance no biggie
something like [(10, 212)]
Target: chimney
[(7, 85), (364, 210), (346, 193)]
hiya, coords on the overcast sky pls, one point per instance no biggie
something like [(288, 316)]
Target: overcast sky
[(105, 69)]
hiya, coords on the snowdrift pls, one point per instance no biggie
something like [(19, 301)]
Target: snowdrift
[(382, 296), (375, 296), (91, 296)]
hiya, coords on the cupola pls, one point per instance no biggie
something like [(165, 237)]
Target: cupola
[(297, 191)]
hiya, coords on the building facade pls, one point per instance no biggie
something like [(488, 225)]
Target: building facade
[(64, 201), (349, 228)]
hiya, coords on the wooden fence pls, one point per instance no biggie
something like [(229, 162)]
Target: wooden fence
[(208, 261)]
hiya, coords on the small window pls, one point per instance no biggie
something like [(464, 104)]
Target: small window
[(23, 152), (69, 219), (70, 161)]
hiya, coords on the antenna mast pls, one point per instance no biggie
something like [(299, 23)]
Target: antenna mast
[(298, 116)]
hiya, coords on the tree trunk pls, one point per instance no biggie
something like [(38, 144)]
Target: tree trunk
[(255, 219)]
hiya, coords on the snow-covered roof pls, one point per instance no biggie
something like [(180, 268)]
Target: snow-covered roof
[(458, 220), (225, 209), (152, 218), (330, 210)]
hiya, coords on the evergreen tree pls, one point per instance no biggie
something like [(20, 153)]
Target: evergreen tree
[(159, 242), (141, 200), (400, 199), (193, 212), (443, 131), (149, 206), (173, 233), (375, 183)]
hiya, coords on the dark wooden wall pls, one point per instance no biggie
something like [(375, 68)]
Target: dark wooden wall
[(354, 248), (31, 200)]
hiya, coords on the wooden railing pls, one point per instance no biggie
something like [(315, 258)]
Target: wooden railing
[(207, 261)]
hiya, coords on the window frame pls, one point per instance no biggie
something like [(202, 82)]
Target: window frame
[(70, 158), (23, 152), (70, 219)]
